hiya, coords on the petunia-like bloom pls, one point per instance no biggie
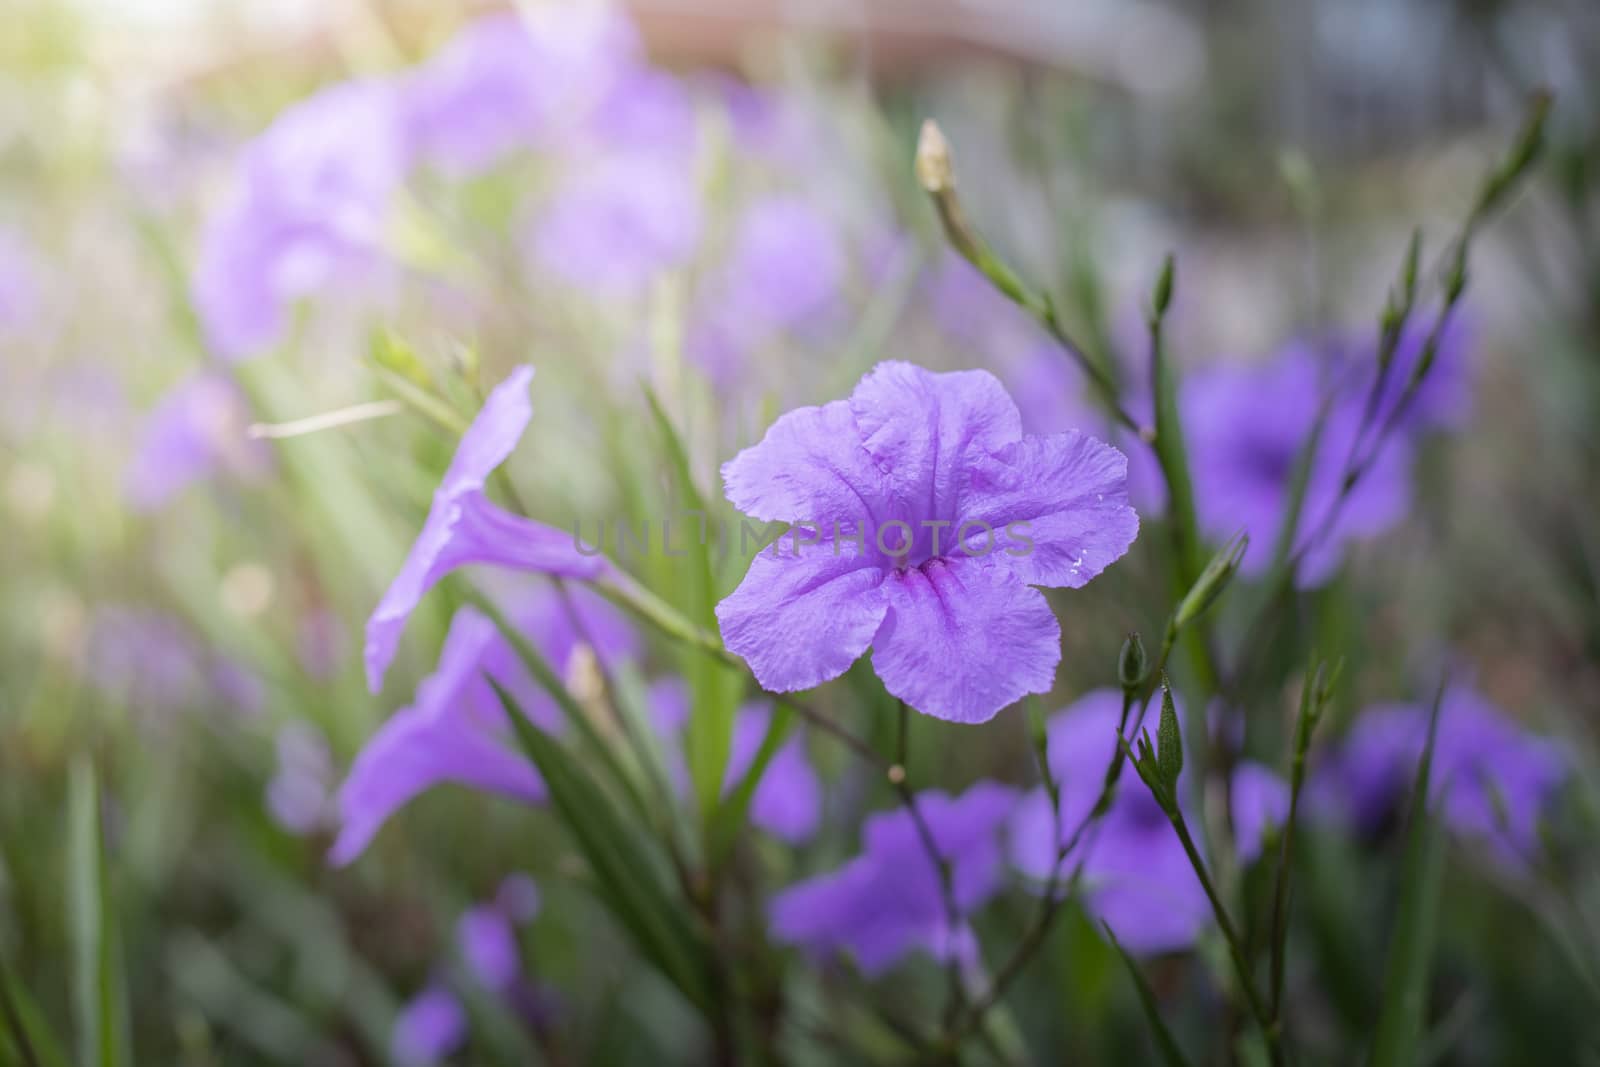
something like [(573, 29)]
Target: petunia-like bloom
[(510, 82), (1246, 428), (308, 207), (455, 730), (1491, 780), (788, 801), (924, 517), (888, 902), (464, 527), (432, 1026), (197, 430), (1136, 876)]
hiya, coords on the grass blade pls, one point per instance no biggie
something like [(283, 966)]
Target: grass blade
[(1171, 1054), (1406, 976), (99, 992), (628, 880)]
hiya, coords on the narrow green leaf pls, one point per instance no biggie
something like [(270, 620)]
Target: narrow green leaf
[(24, 1032), (626, 876), (714, 689), (1406, 976), (99, 1003), (1171, 1054)]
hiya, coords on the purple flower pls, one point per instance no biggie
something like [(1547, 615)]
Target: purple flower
[(308, 208), (788, 801), (429, 1028), (888, 902), (20, 288), (620, 222), (1246, 428), (455, 731), (1491, 780), (933, 518), (298, 797), (1137, 878), (1444, 398), (463, 527), (488, 937), (196, 430), (489, 944), (507, 82)]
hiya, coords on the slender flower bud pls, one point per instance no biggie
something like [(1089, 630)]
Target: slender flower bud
[(1161, 297), (1169, 741), (936, 173), (1212, 580), (1132, 663)]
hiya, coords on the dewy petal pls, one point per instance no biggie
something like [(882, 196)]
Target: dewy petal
[(922, 429), (801, 617), (437, 739), (1069, 490), (810, 467), (962, 640)]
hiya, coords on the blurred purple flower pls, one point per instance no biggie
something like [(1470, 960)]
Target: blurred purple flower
[(429, 1028), (197, 430), (955, 627), (1137, 878), (455, 731), (1444, 399), (887, 902), (299, 796), (620, 222), (463, 527), (20, 290), (514, 81), (787, 803), (1491, 779), (488, 937), (308, 208), (147, 660), (489, 945), (1246, 427)]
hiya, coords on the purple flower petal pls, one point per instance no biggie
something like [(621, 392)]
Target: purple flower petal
[(489, 944), (443, 737), (430, 1028), (802, 617), (1070, 490), (464, 527), (788, 801), (950, 624)]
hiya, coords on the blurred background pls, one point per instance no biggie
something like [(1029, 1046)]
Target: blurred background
[(187, 566)]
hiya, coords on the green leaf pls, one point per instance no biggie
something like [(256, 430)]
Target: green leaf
[(627, 877), (100, 996), (714, 689), (1171, 1054), (1406, 976), (24, 1032)]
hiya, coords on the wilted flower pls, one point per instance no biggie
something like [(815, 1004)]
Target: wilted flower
[(1137, 879), (308, 206), (197, 430), (429, 1028), (464, 527), (1490, 780), (888, 901), (456, 731), (928, 518)]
